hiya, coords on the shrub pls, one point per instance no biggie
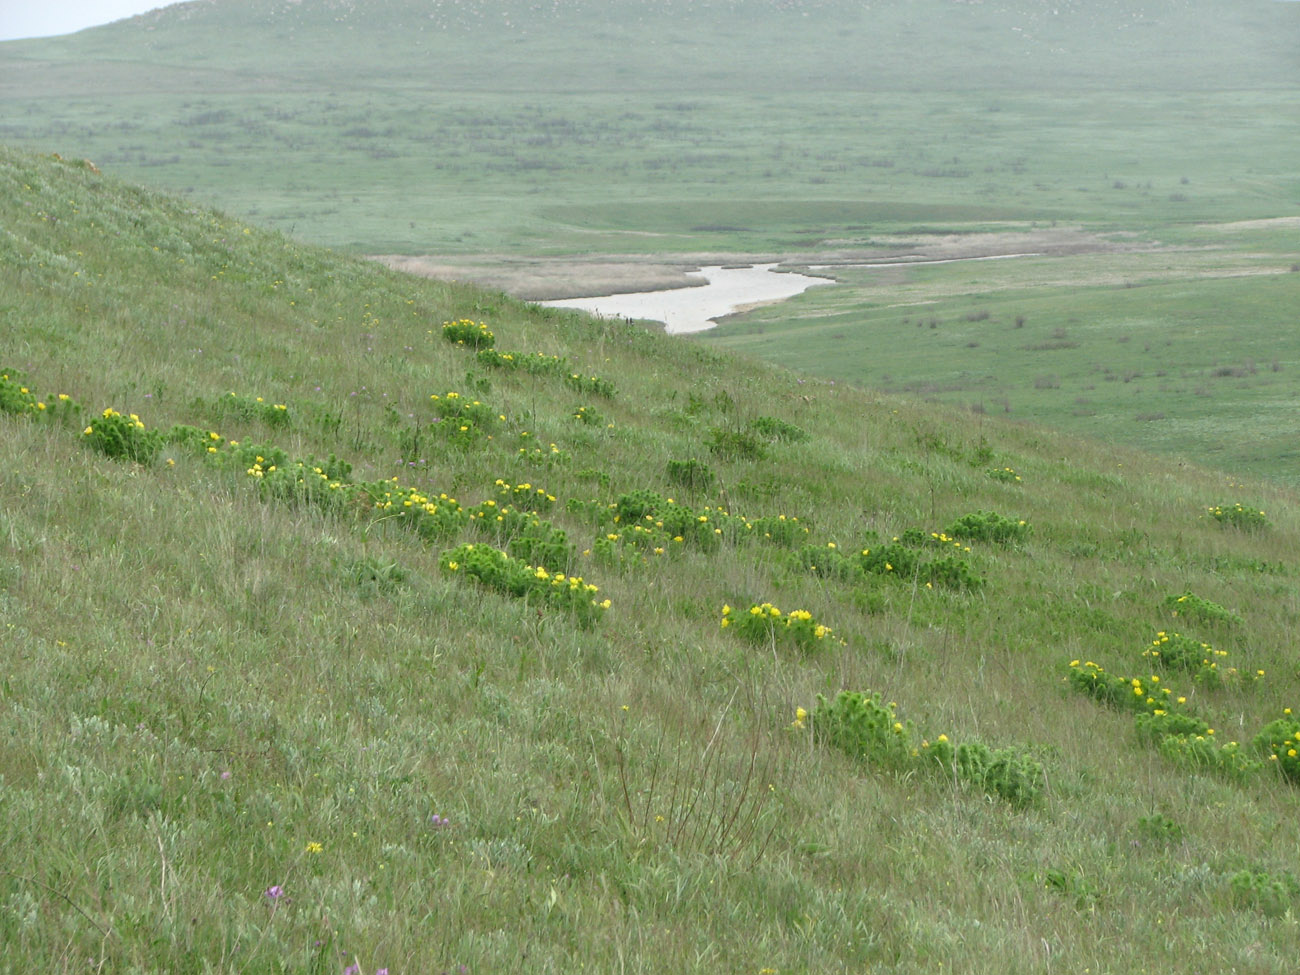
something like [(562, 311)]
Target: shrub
[(860, 726), (452, 407), (951, 572), (523, 496), (301, 483), (535, 364), (1124, 693), (1008, 773), (1160, 828), (1201, 753), (493, 359), (15, 398), (776, 529), (893, 559), (372, 575)]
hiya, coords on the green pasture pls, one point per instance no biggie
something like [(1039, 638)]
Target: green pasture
[(409, 171)]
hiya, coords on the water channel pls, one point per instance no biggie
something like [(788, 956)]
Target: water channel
[(725, 291), (694, 309)]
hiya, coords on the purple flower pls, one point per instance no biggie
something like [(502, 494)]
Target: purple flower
[(437, 822), (353, 969), (274, 892), (225, 775)]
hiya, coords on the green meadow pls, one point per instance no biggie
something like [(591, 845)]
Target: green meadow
[(1195, 358), (299, 675)]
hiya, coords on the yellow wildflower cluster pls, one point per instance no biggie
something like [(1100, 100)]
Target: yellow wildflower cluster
[(764, 621), (943, 538)]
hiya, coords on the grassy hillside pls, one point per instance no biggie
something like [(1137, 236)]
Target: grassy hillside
[(265, 717)]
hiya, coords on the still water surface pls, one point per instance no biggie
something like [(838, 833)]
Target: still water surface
[(682, 310)]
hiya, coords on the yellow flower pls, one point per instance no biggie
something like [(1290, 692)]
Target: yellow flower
[(800, 714), (314, 847)]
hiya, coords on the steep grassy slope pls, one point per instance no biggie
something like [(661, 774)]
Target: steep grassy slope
[(258, 724)]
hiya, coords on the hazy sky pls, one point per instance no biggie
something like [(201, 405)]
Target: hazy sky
[(43, 18)]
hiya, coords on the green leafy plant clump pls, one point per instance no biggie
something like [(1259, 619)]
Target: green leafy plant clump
[(235, 406), (1188, 605), (1273, 895), (774, 428), (587, 415), (989, 526), (1004, 475), (862, 727), (590, 385), (472, 334), (501, 572), (764, 623), (1239, 516), (534, 363), (18, 400), (1279, 742), (694, 475), (124, 437), (1174, 651)]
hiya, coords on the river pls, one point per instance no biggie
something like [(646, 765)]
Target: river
[(694, 309), (728, 290)]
